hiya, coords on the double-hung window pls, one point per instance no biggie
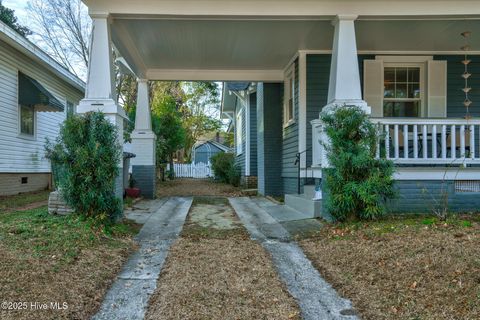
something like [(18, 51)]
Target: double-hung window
[(289, 96), (402, 95)]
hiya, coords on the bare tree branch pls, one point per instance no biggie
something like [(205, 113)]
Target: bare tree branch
[(64, 27)]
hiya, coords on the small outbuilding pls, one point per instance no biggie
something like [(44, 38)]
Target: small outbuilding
[(204, 150)]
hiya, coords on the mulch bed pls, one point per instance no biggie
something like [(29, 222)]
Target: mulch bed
[(216, 273), (403, 269), (196, 187)]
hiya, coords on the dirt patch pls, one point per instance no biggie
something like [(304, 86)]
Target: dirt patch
[(403, 269), (24, 201), (196, 187), (215, 271), (58, 259)]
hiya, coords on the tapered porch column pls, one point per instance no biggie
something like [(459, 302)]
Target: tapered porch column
[(100, 94), (344, 86), (143, 144)]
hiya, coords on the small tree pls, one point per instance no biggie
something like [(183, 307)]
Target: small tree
[(8, 17), (225, 169), (358, 184), (88, 154), (167, 125)]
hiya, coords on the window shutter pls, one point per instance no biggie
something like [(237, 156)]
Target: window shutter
[(437, 89), (373, 86)]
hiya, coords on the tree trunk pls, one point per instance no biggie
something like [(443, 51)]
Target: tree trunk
[(171, 174)]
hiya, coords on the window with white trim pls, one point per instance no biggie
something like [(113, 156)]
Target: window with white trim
[(239, 131), (403, 90), (289, 96)]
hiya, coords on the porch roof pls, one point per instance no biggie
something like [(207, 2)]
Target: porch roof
[(225, 41)]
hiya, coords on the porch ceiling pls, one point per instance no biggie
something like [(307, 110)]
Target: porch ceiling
[(193, 48)]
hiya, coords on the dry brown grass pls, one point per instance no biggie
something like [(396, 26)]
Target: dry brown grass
[(219, 275), (196, 187), (403, 269), (57, 259)]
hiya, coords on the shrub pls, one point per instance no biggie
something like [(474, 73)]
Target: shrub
[(87, 154), (224, 168), (358, 184), (234, 175)]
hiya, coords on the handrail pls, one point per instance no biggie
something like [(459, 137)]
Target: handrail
[(427, 121)]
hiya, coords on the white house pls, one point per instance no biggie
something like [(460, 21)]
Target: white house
[(401, 61), (36, 94)]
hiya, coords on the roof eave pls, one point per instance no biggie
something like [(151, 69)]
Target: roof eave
[(26, 47)]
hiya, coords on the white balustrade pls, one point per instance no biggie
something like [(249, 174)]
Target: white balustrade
[(428, 140), (416, 141)]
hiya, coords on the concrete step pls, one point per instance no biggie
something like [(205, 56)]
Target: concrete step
[(304, 204), (309, 191)]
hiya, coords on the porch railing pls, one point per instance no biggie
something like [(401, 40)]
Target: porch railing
[(417, 141)]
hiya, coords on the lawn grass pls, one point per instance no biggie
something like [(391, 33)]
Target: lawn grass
[(12, 203), (48, 258), (403, 267), (215, 271)]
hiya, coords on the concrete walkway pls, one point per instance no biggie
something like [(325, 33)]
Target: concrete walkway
[(295, 222), (163, 221), (316, 298)]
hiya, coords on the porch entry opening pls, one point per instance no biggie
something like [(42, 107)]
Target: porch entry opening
[(402, 92)]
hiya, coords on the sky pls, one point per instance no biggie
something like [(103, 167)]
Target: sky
[(19, 7)]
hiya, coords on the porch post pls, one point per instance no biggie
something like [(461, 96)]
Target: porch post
[(143, 144), (100, 92), (344, 86)]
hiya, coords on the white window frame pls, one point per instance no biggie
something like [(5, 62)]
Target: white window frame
[(422, 82), (289, 93), (26, 135), (239, 131)]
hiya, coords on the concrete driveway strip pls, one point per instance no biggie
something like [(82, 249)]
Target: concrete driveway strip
[(128, 297), (316, 298)]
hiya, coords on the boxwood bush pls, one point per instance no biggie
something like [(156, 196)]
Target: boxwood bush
[(358, 185)]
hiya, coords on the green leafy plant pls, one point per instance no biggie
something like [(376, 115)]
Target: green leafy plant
[(167, 125), (224, 168), (88, 153), (358, 184)]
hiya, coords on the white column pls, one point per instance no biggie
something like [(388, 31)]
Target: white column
[(143, 138), (100, 92), (344, 86)]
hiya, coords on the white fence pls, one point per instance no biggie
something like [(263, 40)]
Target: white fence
[(192, 170)]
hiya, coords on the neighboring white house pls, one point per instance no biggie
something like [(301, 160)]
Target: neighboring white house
[(36, 94)]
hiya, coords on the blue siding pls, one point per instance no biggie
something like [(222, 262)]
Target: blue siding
[(253, 134), (204, 152), (426, 196), (290, 142), (269, 138), (455, 83), (318, 73)]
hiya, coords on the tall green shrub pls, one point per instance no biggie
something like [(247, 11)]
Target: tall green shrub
[(87, 154), (224, 168), (358, 184)]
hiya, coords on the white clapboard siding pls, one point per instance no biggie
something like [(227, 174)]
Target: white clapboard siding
[(19, 154), (192, 170)]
